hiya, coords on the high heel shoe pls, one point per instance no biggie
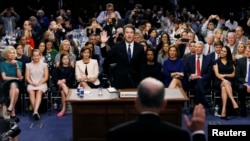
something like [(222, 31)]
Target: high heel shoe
[(36, 116), (14, 119), (236, 111), (224, 117)]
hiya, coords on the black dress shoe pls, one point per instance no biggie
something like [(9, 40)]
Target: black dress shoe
[(36, 116), (14, 119), (236, 111)]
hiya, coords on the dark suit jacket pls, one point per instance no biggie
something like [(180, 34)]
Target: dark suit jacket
[(206, 68), (150, 127), (212, 56), (185, 56), (127, 75), (241, 70)]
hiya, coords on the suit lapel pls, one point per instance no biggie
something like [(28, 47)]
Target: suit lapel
[(124, 49), (204, 61), (194, 65), (134, 51), (244, 63)]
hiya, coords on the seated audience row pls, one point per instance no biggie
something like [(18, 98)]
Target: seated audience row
[(196, 70)]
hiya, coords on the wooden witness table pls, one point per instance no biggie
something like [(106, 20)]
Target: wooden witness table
[(94, 115)]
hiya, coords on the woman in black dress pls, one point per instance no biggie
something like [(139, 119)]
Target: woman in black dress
[(224, 70)]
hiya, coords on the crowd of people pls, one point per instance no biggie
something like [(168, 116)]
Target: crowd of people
[(180, 48)]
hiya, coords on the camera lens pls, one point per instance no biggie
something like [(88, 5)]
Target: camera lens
[(120, 35), (113, 20), (13, 132)]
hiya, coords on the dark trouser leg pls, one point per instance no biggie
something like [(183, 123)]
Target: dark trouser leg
[(201, 93), (193, 84), (242, 91)]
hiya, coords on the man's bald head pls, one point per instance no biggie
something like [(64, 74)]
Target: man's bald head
[(151, 93)]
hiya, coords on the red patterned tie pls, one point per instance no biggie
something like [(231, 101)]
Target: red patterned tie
[(198, 66)]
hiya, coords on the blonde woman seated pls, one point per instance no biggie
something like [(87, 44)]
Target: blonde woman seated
[(173, 69), (65, 48), (241, 51), (36, 74), (87, 70), (11, 74), (219, 35)]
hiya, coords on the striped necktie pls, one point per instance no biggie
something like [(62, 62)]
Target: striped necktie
[(198, 66)]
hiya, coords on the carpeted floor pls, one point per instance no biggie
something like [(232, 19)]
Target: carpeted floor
[(51, 128)]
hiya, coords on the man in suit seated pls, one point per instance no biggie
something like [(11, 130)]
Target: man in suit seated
[(243, 80), (216, 53), (191, 49), (198, 71), (148, 125)]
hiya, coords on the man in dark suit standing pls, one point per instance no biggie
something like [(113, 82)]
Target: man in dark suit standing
[(129, 58), (243, 80), (148, 126), (198, 70)]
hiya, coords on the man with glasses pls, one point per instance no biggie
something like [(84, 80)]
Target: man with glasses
[(103, 16)]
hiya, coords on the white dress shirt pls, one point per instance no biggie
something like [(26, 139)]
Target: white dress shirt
[(248, 61)]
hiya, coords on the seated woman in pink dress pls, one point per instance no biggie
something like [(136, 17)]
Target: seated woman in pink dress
[(36, 74)]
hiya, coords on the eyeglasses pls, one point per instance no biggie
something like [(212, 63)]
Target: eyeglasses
[(109, 9)]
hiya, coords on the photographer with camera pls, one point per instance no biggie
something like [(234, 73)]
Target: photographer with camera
[(113, 23), (135, 16), (182, 43), (9, 18), (8, 130), (210, 26), (94, 28), (103, 17)]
